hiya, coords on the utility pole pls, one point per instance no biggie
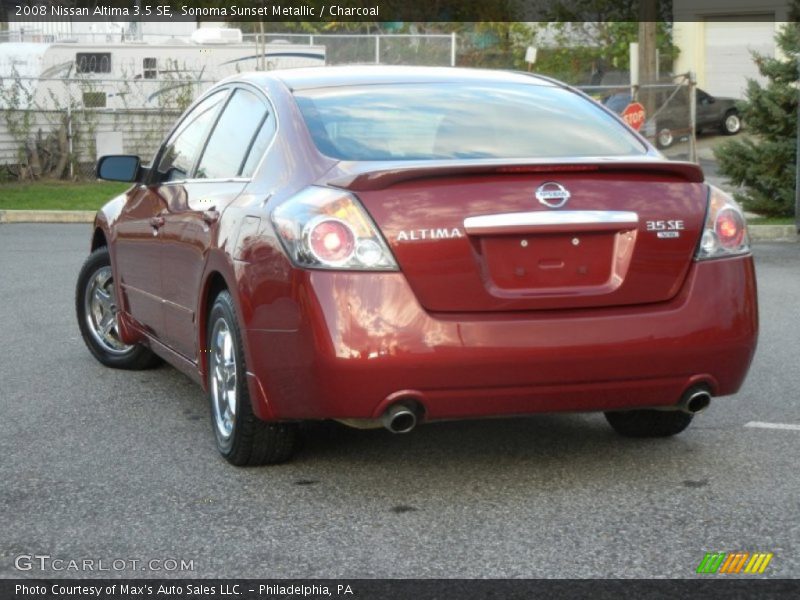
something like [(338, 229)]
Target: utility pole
[(648, 17)]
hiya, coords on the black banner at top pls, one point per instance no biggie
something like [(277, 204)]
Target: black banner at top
[(334, 11)]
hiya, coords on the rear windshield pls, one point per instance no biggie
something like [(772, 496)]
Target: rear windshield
[(460, 121)]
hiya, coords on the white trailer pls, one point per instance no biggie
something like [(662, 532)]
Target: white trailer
[(135, 75)]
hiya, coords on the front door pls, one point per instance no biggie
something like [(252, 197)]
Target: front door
[(137, 257)]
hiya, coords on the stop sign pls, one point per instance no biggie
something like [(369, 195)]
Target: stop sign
[(633, 115)]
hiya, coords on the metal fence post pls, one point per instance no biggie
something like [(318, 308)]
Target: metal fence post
[(70, 147), (453, 49), (692, 117), (797, 157), (377, 50)]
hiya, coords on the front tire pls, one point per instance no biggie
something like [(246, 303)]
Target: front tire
[(96, 309), (732, 123), (241, 437), (648, 423)]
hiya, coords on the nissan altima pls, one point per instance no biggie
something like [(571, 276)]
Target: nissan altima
[(395, 246)]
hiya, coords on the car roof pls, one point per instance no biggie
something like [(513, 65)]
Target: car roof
[(325, 77)]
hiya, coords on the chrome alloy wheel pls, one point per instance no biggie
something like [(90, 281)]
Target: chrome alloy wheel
[(665, 137), (222, 365), (732, 123), (100, 310)]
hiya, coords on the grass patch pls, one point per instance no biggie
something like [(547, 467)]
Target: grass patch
[(58, 195), (771, 221)]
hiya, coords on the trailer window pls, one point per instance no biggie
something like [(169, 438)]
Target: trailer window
[(150, 68), (93, 62), (94, 99)]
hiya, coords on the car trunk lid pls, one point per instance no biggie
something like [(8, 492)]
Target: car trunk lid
[(479, 236)]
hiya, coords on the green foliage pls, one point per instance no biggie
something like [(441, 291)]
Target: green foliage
[(493, 45), (581, 44), (765, 163)]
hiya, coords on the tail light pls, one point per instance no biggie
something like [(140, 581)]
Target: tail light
[(725, 231), (326, 228)]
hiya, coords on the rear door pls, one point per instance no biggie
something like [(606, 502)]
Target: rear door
[(195, 206)]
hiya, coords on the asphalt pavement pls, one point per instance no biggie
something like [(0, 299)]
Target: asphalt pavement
[(105, 465)]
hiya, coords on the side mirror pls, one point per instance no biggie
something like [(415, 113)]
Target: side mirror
[(118, 168)]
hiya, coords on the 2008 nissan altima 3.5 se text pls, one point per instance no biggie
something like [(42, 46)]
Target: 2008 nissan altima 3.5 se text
[(392, 246)]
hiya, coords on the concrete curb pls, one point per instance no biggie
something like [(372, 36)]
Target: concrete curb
[(773, 233), (758, 233), (47, 216)]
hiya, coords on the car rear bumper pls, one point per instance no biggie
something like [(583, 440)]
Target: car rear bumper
[(357, 342)]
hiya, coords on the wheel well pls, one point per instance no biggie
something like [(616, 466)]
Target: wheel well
[(215, 284), (98, 239)]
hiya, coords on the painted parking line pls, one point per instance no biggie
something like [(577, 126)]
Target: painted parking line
[(761, 425)]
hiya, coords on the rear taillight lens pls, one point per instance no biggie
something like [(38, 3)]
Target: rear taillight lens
[(330, 241), (326, 228), (725, 231)]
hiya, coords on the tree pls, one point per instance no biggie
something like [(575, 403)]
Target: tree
[(606, 28), (765, 164)]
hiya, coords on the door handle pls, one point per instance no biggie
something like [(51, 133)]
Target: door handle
[(210, 216), (157, 222)]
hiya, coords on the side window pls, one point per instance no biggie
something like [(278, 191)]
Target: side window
[(259, 145), (233, 136), (94, 99), (182, 149)]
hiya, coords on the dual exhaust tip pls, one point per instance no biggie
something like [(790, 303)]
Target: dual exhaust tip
[(402, 418)]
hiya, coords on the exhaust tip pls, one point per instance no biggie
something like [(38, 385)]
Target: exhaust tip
[(399, 419), (696, 401)]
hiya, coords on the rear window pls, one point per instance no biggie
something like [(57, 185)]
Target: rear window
[(460, 121)]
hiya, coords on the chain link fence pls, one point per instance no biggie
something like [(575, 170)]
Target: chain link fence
[(50, 127), (382, 49), (670, 111), (63, 144)]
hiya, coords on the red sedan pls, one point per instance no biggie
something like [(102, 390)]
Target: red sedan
[(391, 246)]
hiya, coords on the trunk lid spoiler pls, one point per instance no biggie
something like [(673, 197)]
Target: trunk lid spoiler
[(368, 176)]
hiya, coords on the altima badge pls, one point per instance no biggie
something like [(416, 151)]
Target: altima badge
[(552, 194), (441, 233)]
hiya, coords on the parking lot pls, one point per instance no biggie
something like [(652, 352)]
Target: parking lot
[(104, 464)]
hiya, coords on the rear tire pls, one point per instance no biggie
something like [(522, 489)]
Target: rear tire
[(96, 309), (665, 136), (648, 423), (242, 438)]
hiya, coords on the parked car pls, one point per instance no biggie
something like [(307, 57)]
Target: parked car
[(673, 120), (392, 246)]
